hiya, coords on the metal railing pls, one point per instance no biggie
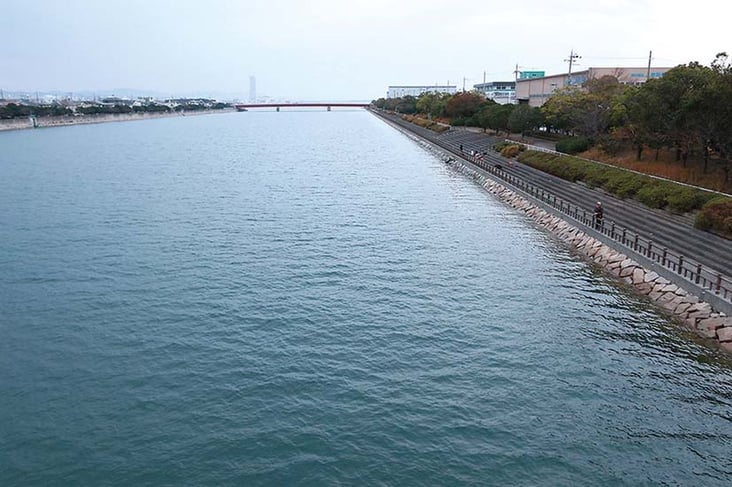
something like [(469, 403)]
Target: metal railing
[(685, 267)]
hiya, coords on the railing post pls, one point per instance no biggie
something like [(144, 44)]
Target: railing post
[(584, 217), (612, 230), (698, 273), (663, 257), (719, 283), (681, 265), (649, 251), (635, 244), (624, 242)]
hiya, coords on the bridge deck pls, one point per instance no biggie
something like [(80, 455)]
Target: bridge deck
[(302, 105)]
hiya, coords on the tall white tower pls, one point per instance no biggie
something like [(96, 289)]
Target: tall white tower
[(252, 89)]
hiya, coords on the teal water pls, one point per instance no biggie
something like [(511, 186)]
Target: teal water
[(309, 298)]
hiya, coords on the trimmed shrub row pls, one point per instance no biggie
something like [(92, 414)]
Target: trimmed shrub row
[(715, 214), (573, 145), (428, 124)]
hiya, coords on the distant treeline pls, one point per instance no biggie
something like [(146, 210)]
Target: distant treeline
[(19, 110)]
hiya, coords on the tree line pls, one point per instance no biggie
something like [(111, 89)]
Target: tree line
[(19, 110), (688, 110), (468, 108)]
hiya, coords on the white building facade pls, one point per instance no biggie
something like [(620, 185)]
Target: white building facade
[(501, 92), (399, 91)]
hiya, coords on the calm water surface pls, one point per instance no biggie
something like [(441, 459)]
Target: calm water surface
[(309, 298)]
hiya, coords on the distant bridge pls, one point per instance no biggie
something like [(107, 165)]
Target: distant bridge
[(277, 106)]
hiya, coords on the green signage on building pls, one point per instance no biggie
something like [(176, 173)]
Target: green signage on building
[(531, 74)]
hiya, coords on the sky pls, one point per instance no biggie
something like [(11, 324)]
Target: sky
[(337, 49)]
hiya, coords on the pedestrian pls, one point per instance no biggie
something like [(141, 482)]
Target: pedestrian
[(461, 147), (598, 215)]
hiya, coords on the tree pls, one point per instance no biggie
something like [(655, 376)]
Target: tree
[(494, 116), (464, 105), (591, 110), (524, 119), (432, 104)]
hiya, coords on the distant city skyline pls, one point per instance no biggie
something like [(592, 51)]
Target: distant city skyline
[(332, 50)]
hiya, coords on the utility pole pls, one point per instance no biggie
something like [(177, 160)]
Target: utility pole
[(648, 73), (516, 72), (572, 56), (464, 78)]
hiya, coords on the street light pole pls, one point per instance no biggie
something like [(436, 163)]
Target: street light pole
[(572, 56)]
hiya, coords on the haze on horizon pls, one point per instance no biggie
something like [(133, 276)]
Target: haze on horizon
[(336, 50)]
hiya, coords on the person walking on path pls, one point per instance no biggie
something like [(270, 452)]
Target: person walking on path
[(598, 215)]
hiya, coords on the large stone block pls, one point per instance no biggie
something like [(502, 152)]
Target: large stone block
[(725, 334), (658, 287), (667, 305), (644, 288), (694, 316), (682, 308), (638, 275), (670, 288), (667, 298), (627, 270), (615, 270), (651, 276), (701, 307), (706, 329)]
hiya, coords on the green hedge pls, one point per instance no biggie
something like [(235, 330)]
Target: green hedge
[(428, 124), (715, 214), (573, 145), (511, 151)]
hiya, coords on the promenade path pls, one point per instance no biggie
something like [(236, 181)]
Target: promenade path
[(674, 233)]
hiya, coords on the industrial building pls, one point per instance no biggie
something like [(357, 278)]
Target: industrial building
[(536, 91), (400, 91), (501, 92)]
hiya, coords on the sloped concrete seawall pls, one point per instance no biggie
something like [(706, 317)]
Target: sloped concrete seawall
[(688, 309)]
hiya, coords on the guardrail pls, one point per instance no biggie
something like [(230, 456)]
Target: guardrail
[(685, 267)]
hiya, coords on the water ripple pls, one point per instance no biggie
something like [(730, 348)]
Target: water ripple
[(310, 299)]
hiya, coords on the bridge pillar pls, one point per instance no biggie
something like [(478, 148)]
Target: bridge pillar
[(329, 108), (278, 109)]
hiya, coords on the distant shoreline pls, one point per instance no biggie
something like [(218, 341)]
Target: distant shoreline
[(63, 121)]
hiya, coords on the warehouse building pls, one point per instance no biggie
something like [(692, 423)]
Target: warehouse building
[(536, 91)]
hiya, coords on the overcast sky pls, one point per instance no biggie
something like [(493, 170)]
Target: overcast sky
[(337, 49)]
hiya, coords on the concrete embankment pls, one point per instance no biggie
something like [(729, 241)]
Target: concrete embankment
[(42, 122), (690, 310)]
